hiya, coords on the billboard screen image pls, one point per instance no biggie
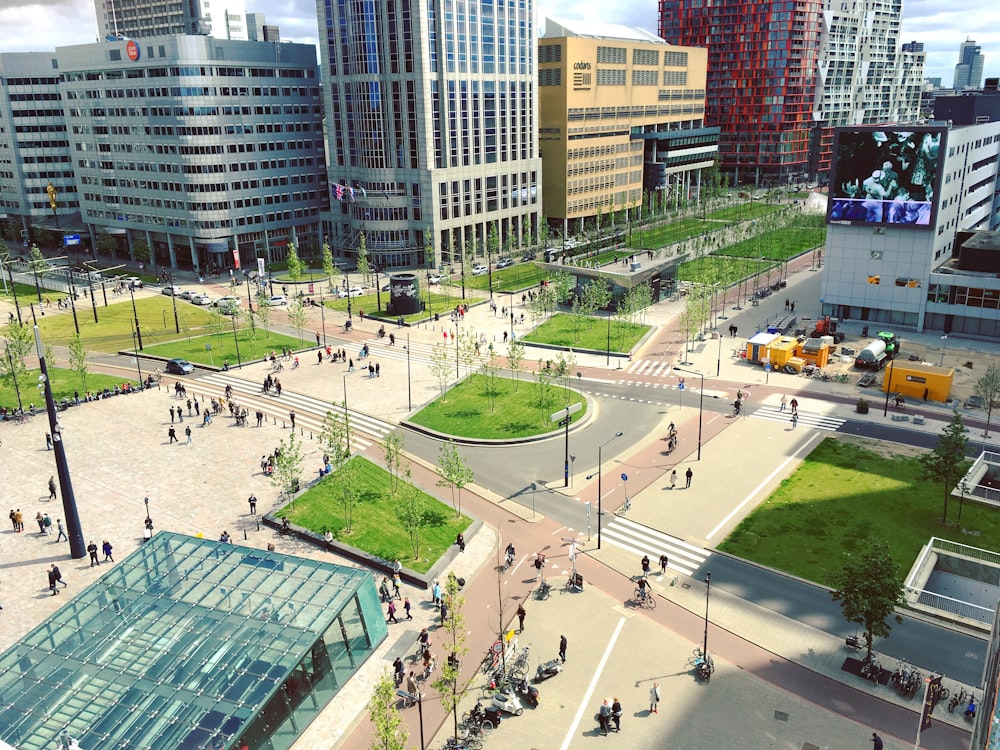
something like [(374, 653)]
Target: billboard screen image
[(885, 176)]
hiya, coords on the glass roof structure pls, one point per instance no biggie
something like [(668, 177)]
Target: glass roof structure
[(191, 643)]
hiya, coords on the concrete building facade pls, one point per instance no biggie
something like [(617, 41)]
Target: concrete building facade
[(211, 150), (432, 127), (621, 119), (969, 70), (224, 19)]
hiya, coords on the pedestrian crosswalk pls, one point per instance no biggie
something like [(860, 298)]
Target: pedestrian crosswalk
[(650, 368), (641, 540), (806, 419)]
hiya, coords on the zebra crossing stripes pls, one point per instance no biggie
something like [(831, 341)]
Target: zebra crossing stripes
[(641, 540), (650, 368), (806, 419)]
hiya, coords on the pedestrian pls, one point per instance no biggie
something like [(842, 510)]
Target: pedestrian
[(784, 401), (604, 717), (788, 302), (539, 564), (378, 372), (92, 549), (562, 648), (411, 684), (444, 611), (663, 565), (406, 607), (291, 418), (687, 476), (392, 611), (58, 575), (253, 504), (52, 582), (62, 531), (47, 524), (877, 741), (654, 698), (52, 487), (436, 593), (189, 405), (398, 671), (317, 340), (460, 541), (794, 403), (350, 365), (180, 414), (187, 434), (197, 406), (19, 521), (673, 479), (172, 434), (172, 415), (40, 520), (792, 306), (645, 566), (106, 547), (277, 387), (520, 618), (392, 339), (260, 417), (795, 420), (383, 590), (12, 521), (48, 439), (616, 714), (396, 581)]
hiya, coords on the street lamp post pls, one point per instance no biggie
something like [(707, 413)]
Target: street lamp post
[(146, 501), (246, 276), (73, 528), (944, 349), (701, 403), (135, 316), (600, 466), (708, 591), (718, 364), (173, 299), (409, 388), (13, 289), (347, 421), (378, 286), (888, 387)]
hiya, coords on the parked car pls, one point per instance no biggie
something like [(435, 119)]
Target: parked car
[(172, 291), (200, 299), (277, 300), (188, 293), (228, 308), (133, 281), (179, 367), (505, 263), (354, 291), (227, 300), (480, 270), (435, 278)]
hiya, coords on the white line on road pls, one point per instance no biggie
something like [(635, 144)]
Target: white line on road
[(593, 686), (758, 488)]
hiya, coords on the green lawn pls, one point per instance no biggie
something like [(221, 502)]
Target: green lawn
[(574, 331), (113, 332), (27, 294), (223, 346), (64, 383), (375, 528), (841, 497), (520, 409), (516, 277)]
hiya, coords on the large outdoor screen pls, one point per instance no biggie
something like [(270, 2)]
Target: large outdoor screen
[(885, 176)]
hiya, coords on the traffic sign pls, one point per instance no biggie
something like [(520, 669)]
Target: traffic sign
[(624, 477), (565, 421), (680, 386), (71, 239)]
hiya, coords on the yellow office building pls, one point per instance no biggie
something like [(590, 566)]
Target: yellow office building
[(621, 120)]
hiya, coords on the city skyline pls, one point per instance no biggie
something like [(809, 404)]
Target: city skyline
[(40, 25)]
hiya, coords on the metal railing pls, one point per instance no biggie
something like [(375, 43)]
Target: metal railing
[(954, 606)]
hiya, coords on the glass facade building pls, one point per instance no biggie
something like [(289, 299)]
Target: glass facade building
[(191, 643)]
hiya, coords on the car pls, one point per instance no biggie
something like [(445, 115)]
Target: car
[(172, 291), (179, 367), (435, 278), (200, 299), (227, 300), (188, 293), (132, 281), (354, 291), (505, 263), (480, 270), (277, 300), (228, 308), (386, 287)]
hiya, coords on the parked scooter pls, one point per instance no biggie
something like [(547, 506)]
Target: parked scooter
[(508, 703), (527, 691), (970, 710), (548, 669), (852, 641)]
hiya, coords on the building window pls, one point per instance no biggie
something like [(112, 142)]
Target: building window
[(612, 55), (610, 77)]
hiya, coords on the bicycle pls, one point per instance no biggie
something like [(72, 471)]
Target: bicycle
[(408, 699), (644, 598), (626, 507)]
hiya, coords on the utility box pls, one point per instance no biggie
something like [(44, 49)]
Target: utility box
[(915, 379)]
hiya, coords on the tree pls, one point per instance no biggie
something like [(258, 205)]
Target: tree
[(515, 357), (293, 262), (988, 389), (411, 511), (250, 330), (36, 261), (140, 248), (335, 437), (455, 473), (869, 588), (392, 452), (441, 366), (454, 644), (389, 730), (106, 244), (264, 310), (288, 465), (364, 266), (492, 242), (491, 378), (468, 349), (946, 463), (297, 315), (20, 340), (328, 267), (78, 360)]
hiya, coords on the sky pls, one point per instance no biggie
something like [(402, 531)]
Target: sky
[(42, 25)]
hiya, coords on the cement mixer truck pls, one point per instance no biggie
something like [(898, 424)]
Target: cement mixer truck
[(877, 354)]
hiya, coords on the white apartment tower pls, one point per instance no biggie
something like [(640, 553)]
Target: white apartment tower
[(223, 19), (864, 76), (432, 130)]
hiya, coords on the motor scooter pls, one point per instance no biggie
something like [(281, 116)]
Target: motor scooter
[(507, 702), (548, 669), (527, 691), (852, 641)]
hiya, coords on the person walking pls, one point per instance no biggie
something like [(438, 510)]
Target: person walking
[(406, 607), (187, 434), (539, 564), (444, 611), (252, 500), (396, 582), (520, 618), (663, 565), (460, 541), (52, 487), (562, 648), (795, 420), (172, 434), (436, 593), (645, 566), (688, 475), (411, 683), (654, 698), (19, 521), (616, 714), (876, 741), (172, 415), (784, 402), (92, 549), (291, 418), (52, 582), (47, 524), (62, 531), (106, 547), (398, 671), (604, 717), (673, 479), (794, 403), (392, 611), (58, 575), (40, 520)]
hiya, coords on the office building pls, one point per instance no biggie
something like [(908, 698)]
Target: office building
[(913, 209), (191, 643), (259, 31), (432, 127), (131, 19), (622, 120), (969, 70), (210, 150), (34, 147)]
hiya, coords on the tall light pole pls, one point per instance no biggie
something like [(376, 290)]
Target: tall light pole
[(409, 388), (701, 403), (708, 591), (13, 290), (718, 364), (600, 466), (135, 315), (73, 528), (347, 422)]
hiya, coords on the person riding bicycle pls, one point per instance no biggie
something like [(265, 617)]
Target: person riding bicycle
[(381, 331), (643, 585), (424, 639), (510, 554)]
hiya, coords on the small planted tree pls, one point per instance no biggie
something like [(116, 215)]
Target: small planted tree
[(106, 244), (869, 588), (288, 465), (389, 731), (264, 310), (454, 643), (392, 453), (326, 256), (364, 266), (947, 463), (19, 342), (455, 473), (988, 389), (411, 511), (441, 366), (140, 248), (491, 378), (297, 315), (250, 330), (515, 358), (294, 264), (78, 360)]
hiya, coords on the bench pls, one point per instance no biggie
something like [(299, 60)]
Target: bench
[(918, 419), (900, 417)]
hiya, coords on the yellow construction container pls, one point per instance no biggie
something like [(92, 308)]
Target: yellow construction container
[(780, 351), (918, 380), (814, 356)]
